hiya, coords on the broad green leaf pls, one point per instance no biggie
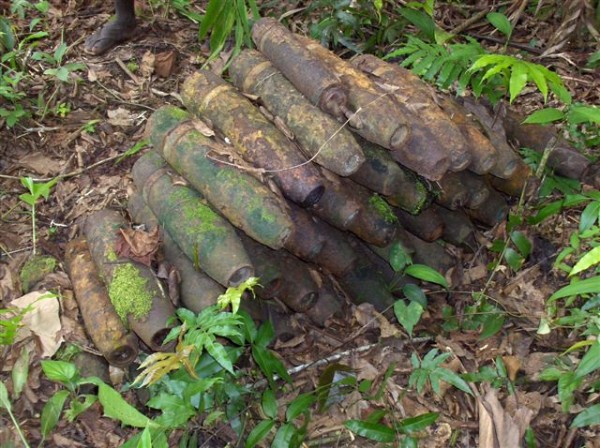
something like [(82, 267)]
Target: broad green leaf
[(145, 439), (518, 79), (4, 401), (543, 116), (299, 405), (491, 325), (583, 114), (213, 12), (587, 286), (514, 259), (538, 78), (421, 20), (427, 274), (117, 408), (259, 433), (588, 417), (418, 423), (590, 259), (60, 371), (589, 216), (218, 352), (51, 412), (399, 257), (500, 22), (590, 361), (522, 243), (415, 294), (269, 404), (568, 383), (20, 372), (453, 378), (371, 431), (266, 333), (408, 315), (80, 405), (284, 436)]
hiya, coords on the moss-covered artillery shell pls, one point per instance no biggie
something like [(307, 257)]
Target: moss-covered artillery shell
[(564, 159), (491, 212), (101, 230), (253, 136), (321, 243), (506, 158), (318, 134), (477, 187), (241, 198), (452, 193), (380, 173), (111, 338), (416, 96), (196, 289), (458, 228), (427, 225), (307, 73), (203, 235), (522, 178)]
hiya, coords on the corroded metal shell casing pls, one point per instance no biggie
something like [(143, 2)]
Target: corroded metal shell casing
[(418, 101), (254, 137), (521, 179), (382, 174), (109, 335), (458, 228), (452, 193), (477, 187), (491, 212), (201, 233), (319, 135), (432, 254), (196, 289), (427, 225), (247, 203), (306, 72), (564, 159), (365, 284), (101, 231)]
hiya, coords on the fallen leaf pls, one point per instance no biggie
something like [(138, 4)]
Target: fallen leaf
[(41, 164), (165, 63)]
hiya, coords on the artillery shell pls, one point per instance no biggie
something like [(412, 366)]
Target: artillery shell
[(521, 179), (204, 236), (506, 159), (417, 98), (477, 188), (242, 199), (307, 239), (254, 137), (564, 159), (318, 134), (380, 173), (453, 194), (366, 285), (491, 212), (101, 321), (427, 225), (458, 228), (328, 305), (431, 254), (307, 73), (132, 287), (196, 289)]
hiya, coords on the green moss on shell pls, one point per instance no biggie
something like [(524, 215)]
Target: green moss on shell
[(128, 292)]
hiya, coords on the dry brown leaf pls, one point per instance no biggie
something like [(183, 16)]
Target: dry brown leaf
[(41, 164), (148, 64), (121, 117), (165, 63)]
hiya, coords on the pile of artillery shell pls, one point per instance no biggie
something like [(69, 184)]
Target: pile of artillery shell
[(320, 169)]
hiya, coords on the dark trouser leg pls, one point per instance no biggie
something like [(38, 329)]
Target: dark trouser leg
[(115, 31)]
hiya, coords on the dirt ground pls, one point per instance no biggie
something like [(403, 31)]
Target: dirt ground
[(117, 93)]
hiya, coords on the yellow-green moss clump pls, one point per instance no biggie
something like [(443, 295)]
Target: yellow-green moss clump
[(35, 269), (128, 292), (383, 208)]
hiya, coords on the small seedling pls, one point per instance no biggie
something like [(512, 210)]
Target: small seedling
[(36, 191)]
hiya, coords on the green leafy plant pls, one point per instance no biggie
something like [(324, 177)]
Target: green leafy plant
[(429, 371), (11, 322), (403, 431), (6, 404), (36, 191)]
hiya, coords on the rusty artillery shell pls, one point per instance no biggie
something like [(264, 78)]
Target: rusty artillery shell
[(416, 96), (431, 254), (349, 206), (306, 72), (564, 159), (317, 242), (506, 158), (491, 212), (427, 225), (458, 228), (380, 173), (477, 187), (318, 134), (483, 153), (253, 136), (521, 179), (149, 308), (452, 193), (263, 310), (203, 235), (374, 114), (328, 305), (241, 198), (196, 289), (111, 338)]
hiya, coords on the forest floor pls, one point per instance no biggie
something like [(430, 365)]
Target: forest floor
[(117, 100)]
